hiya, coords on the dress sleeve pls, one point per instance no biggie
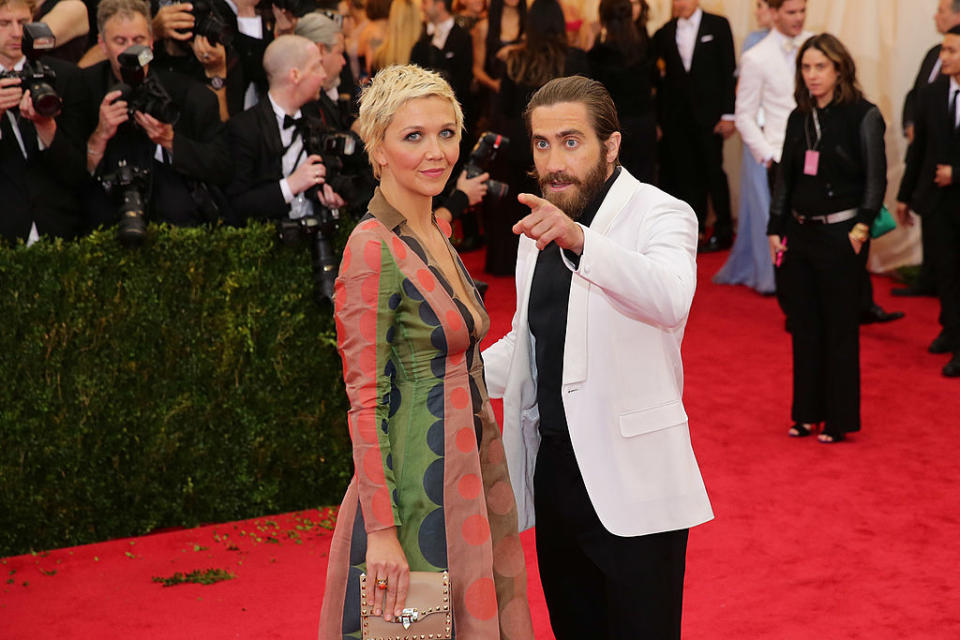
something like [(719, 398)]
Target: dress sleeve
[(782, 197), (367, 292), (874, 161)]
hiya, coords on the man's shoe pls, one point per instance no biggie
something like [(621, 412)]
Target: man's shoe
[(877, 314), (909, 292), (952, 368), (941, 344)]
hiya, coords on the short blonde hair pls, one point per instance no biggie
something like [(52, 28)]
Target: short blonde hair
[(390, 89), (30, 5)]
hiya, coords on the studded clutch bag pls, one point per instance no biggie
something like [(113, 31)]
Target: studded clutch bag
[(426, 615)]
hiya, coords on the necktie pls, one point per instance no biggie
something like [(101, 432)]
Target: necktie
[(953, 110)]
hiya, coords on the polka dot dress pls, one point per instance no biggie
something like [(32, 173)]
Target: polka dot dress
[(427, 451)]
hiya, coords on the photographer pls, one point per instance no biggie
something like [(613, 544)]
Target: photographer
[(40, 161), (167, 127), (272, 170), (232, 30)]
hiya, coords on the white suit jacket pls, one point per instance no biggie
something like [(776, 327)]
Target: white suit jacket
[(622, 373), (767, 74)]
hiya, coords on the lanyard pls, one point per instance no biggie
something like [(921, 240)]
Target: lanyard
[(816, 126)]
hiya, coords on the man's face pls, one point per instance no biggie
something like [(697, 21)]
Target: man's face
[(685, 8), (121, 32), (789, 18), (12, 18), (945, 18), (950, 55), (435, 10), (571, 162), (311, 76), (333, 62)]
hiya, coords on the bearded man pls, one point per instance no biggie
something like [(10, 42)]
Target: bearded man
[(595, 432)]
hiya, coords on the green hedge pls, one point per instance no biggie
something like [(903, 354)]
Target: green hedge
[(192, 380)]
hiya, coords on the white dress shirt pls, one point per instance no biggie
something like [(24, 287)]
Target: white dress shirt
[(954, 87), (292, 158), (440, 32), (767, 73), (687, 30)]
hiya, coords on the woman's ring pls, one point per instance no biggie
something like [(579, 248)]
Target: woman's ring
[(381, 583)]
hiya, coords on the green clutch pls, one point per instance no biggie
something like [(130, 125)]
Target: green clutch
[(883, 223)]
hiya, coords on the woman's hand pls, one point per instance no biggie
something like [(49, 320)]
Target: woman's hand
[(856, 243), (386, 561), (777, 248), (858, 236)]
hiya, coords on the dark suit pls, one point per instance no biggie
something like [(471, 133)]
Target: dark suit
[(454, 62), (926, 281), (179, 190), (257, 152), (937, 141), (44, 188), (690, 104)]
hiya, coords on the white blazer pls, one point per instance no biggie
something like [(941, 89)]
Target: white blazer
[(622, 373), (767, 74)]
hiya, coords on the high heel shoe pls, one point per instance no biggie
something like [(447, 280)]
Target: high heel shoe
[(830, 438), (800, 430)]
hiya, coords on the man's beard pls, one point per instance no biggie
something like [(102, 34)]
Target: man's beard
[(574, 200)]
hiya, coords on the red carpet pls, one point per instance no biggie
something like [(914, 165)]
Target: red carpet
[(854, 540)]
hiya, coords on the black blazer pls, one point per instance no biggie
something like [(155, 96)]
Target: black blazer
[(708, 90), (257, 155), (935, 142), (45, 189), (923, 79), (454, 61), (200, 159)]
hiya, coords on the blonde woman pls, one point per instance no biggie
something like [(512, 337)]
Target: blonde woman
[(431, 490), (403, 30)]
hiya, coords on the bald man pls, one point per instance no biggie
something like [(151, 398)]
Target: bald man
[(273, 172)]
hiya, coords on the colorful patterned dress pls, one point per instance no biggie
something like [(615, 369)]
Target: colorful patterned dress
[(426, 447)]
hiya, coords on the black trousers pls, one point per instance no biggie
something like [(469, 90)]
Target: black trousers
[(692, 170), (821, 277), (598, 585), (945, 228)]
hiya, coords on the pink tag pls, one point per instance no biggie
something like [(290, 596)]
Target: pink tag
[(811, 163)]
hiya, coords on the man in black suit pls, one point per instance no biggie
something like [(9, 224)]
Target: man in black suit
[(695, 102), (185, 159), (445, 47), (947, 16), (40, 162), (272, 171), (931, 187), (328, 36)]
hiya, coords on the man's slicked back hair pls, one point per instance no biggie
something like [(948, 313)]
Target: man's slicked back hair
[(592, 94)]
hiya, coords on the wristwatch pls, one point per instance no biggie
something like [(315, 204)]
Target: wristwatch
[(217, 82)]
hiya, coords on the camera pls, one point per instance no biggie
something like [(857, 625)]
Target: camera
[(130, 183), (142, 92), (37, 77), (481, 159), (317, 229), (342, 156), (208, 23)]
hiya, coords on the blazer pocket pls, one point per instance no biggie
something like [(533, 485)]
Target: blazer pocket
[(652, 419)]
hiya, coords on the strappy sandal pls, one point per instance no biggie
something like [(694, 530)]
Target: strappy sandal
[(799, 430)]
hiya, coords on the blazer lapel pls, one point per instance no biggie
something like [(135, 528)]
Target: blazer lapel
[(575, 342)]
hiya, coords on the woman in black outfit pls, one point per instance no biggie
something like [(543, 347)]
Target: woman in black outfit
[(543, 56), (829, 189), (621, 60)]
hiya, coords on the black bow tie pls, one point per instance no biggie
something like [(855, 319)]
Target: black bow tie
[(291, 122)]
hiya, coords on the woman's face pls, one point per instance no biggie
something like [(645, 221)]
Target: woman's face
[(762, 13), (819, 74), (511, 3), (474, 7), (420, 146), (636, 7)]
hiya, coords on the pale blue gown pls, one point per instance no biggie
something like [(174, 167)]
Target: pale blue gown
[(749, 261)]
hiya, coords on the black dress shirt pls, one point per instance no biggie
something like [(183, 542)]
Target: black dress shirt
[(549, 295)]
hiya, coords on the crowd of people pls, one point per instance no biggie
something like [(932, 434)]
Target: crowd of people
[(543, 132)]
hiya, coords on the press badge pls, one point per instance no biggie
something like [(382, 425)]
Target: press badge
[(811, 163)]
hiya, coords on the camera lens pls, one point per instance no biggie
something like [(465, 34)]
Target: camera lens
[(46, 102), (132, 229)]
